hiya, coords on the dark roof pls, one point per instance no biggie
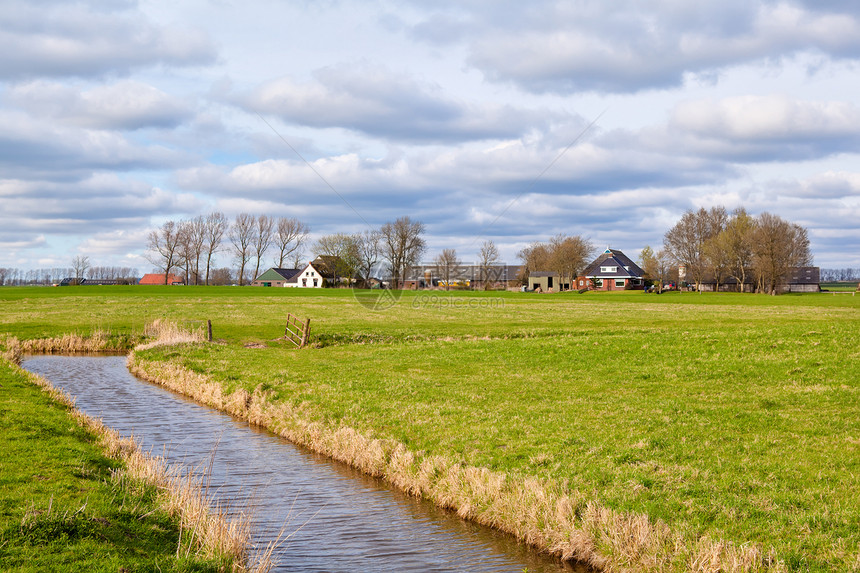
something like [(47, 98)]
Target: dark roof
[(290, 275), (503, 272), (804, 276), (326, 265), (613, 258)]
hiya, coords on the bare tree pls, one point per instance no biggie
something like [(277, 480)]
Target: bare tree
[(184, 250), (685, 242), (779, 246), (447, 265), (163, 247), (667, 268), (402, 246), (289, 238), (242, 234), (649, 264), (221, 276), (80, 264), (736, 241), (263, 231), (195, 244), (214, 227), (488, 256), (535, 257), (568, 256), (369, 249), (344, 250), (718, 260)]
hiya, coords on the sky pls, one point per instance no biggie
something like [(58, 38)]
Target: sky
[(507, 121)]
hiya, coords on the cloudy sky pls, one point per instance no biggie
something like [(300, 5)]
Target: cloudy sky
[(503, 120)]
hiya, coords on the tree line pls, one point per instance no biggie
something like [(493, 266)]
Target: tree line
[(836, 275), (715, 245), (54, 275), (190, 245)]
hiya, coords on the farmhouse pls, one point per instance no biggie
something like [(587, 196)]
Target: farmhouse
[(319, 273), (612, 270), (278, 278)]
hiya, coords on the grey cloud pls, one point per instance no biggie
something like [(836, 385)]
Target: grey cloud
[(84, 39), (631, 45), (34, 149), (98, 204), (757, 129), (124, 105), (828, 186), (379, 103)]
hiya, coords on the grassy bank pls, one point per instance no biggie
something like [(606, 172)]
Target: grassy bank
[(728, 423), (74, 496)]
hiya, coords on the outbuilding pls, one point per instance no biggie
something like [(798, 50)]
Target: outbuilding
[(277, 278)]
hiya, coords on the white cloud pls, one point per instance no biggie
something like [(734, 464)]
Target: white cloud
[(770, 119), (40, 148), (124, 105), (632, 45), (114, 243), (377, 102), (60, 39)]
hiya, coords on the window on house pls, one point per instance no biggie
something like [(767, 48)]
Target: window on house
[(619, 283), (608, 269), (599, 282), (315, 282), (304, 282)]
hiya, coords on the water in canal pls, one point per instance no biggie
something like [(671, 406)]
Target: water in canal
[(337, 519)]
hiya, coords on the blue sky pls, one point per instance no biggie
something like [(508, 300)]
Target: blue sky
[(471, 116)]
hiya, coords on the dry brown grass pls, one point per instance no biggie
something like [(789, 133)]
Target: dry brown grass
[(68, 344), (12, 350), (204, 528), (541, 513), (166, 333)]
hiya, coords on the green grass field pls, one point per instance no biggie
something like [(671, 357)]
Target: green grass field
[(729, 416)]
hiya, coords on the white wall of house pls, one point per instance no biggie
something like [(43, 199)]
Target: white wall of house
[(309, 278)]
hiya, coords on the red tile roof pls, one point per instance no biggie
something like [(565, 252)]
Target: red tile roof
[(158, 279)]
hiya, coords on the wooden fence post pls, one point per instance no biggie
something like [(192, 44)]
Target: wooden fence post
[(209, 328), (305, 333)]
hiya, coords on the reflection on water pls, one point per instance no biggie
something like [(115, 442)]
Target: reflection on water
[(337, 518)]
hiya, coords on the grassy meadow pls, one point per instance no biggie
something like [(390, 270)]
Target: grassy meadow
[(729, 417)]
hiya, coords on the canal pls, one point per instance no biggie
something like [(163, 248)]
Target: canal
[(334, 518)]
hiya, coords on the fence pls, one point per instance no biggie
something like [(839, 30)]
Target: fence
[(297, 331)]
